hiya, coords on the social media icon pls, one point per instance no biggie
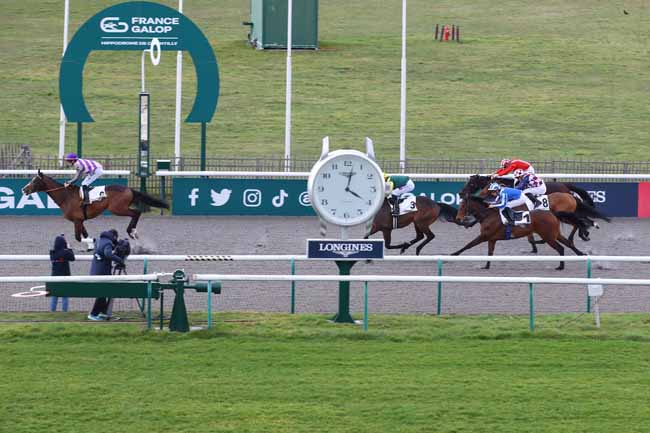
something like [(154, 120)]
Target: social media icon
[(304, 199), (194, 195), (252, 198), (278, 200), (220, 198)]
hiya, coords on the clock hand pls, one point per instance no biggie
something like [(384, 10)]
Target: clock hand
[(353, 193)]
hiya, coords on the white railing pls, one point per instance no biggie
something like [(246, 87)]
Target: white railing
[(66, 172), (305, 175), (79, 278)]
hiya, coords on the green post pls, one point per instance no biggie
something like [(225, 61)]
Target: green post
[(148, 304), (162, 191), (178, 321), (79, 139), (531, 299), (203, 145), (162, 308), (209, 304), (588, 276), (439, 303), (293, 286), (141, 306), (343, 316), (365, 306)]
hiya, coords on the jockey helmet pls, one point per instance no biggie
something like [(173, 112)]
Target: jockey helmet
[(505, 163), (71, 157), (494, 187), (386, 176), (518, 173)]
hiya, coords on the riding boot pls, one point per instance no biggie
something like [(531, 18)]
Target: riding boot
[(510, 215), (86, 192), (394, 205), (533, 198)]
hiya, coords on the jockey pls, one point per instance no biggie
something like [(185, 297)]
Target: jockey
[(395, 186), (85, 167), (505, 199), (510, 165), (529, 184)]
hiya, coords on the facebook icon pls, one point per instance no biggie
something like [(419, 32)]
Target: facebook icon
[(193, 196)]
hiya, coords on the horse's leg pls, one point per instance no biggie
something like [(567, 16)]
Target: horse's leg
[(569, 243), (83, 230), (477, 240), (387, 238), (372, 231), (491, 245), (531, 240), (418, 238), (429, 234), (78, 225), (130, 229), (557, 247)]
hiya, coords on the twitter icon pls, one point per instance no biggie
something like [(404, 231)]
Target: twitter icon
[(220, 198)]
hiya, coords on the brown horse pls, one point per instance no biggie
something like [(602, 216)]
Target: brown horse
[(117, 201), (544, 223), (428, 212), (562, 203)]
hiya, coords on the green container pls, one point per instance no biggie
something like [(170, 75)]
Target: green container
[(269, 24)]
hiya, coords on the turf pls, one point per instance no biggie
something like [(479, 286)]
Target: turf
[(541, 80), (282, 373)]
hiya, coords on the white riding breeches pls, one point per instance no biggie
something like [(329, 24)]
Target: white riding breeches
[(514, 203), (410, 186), (539, 190), (92, 177)]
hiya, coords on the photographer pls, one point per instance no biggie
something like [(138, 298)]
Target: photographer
[(103, 259)]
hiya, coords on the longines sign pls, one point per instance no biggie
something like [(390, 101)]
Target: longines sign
[(351, 249)]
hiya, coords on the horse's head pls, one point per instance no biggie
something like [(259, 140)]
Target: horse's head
[(36, 184)]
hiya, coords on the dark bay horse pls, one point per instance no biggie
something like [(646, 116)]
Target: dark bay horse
[(551, 187), (428, 212), (544, 223), (118, 201)]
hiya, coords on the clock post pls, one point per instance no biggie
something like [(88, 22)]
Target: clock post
[(346, 189)]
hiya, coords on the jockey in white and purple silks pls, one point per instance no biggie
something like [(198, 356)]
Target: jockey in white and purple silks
[(85, 167)]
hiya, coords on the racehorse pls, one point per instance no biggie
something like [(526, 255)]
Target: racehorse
[(117, 201), (561, 203), (428, 211), (566, 203), (544, 223)]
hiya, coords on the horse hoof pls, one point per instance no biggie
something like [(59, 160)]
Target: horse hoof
[(559, 268)]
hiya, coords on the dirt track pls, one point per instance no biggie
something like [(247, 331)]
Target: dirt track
[(265, 235)]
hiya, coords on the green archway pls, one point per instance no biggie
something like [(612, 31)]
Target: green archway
[(132, 26)]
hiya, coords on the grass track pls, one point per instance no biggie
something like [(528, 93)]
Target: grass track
[(546, 79), (278, 373)]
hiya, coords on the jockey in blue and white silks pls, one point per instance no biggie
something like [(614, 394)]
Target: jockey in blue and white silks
[(505, 199), (85, 167)]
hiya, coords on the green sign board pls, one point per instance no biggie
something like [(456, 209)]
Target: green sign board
[(132, 26), (14, 202), (197, 196)]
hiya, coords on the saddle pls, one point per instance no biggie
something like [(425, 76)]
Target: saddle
[(95, 193)]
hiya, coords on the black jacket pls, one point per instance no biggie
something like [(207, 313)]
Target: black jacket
[(103, 256), (61, 257)]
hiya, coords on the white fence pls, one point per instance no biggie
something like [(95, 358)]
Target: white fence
[(62, 172)]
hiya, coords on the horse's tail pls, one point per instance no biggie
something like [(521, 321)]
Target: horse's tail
[(589, 211), (142, 197), (447, 212), (584, 195)]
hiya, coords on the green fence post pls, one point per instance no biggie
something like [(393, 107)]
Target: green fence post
[(293, 286), (588, 276), (531, 298), (439, 306), (148, 304), (365, 306), (209, 304)]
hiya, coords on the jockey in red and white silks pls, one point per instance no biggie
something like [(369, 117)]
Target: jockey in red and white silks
[(529, 183), (510, 165)]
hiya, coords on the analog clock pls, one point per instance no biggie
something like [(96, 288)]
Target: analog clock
[(346, 188)]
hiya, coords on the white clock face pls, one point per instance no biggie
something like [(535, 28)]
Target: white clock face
[(347, 188)]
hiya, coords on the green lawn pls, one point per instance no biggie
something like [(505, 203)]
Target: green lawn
[(282, 373), (547, 79)]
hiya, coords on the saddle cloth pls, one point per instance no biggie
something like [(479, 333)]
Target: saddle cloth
[(96, 193), (407, 205), (544, 203), (521, 218)]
